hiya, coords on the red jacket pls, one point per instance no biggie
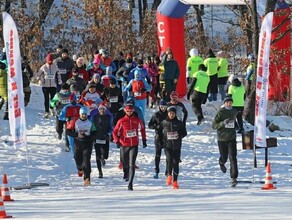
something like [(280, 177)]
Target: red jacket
[(138, 90), (126, 131)]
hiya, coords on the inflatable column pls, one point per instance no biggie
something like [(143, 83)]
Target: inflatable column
[(280, 56), (170, 29)]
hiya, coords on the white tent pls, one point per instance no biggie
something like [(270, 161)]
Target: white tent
[(214, 2)]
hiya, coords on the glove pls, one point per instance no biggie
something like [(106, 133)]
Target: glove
[(111, 138), (228, 120), (188, 97), (2, 66), (68, 119), (144, 143), (143, 90), (107, 137), (118, 144)]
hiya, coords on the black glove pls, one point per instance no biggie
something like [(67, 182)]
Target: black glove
[(2, 66), (118, 144), (188, 97), (144, 143), (227, 121), (111, 138)]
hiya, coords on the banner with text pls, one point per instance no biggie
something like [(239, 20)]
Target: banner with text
[(15, 86), (262, 82)]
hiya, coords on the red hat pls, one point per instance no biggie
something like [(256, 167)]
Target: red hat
[(173, 94), (49, 58), (129, 107)]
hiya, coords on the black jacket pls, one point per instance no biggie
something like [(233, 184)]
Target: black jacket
[(173, 132), (155, 121), (103, 126)]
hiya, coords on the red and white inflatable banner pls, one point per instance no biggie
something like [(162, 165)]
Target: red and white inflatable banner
[(15, 86), (262, 82)]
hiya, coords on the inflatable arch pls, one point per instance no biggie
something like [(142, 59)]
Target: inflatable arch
[(170, 29)]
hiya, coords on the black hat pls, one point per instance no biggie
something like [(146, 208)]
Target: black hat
[(129, 60), (112, 81), (171, 109), (121, 54), (227, 99), (65, 86), (65, 51), (211, 53), (140, 62)]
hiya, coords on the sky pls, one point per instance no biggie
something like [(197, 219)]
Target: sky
[(204, 193)]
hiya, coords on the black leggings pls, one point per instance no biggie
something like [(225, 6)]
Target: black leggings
[(49, 93), (129, 161), (227, 149), (172, 158)]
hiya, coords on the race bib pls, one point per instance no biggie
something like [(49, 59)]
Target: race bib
[(136, 94), (172, 135), (131, 133), (62, 71), (230, 124), (65, 101), (113, 99), (100, 141), (49, 76)]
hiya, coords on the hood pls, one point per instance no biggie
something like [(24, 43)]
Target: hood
[(236, 82), (193, 52)]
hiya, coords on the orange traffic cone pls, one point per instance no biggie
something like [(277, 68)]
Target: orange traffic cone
[(2, 208), (269, 180), (5, 190)]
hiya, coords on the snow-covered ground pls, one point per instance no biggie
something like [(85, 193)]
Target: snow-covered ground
[(204, 193)]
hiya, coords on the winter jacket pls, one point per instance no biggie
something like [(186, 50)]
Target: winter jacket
[(82, 73), (193, 65), (105, 80), (84, 131), (222, 68), (250, 72), (78, 81), (173, 131), (114, 97), (171, 70), (225, 131), (139, 88), (60, 100), (65, 66), (152, 72), (27, 74), (3, 84), (104, 127), (70, 114), (144, 74), (237, 90), (47, 75), (156, 120), (212, 65), (200, 82), (126, 131)]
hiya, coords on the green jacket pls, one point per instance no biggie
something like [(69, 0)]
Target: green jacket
[(193, 65), (3, 84), (223, 67), (212, 65), (225, 132)]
